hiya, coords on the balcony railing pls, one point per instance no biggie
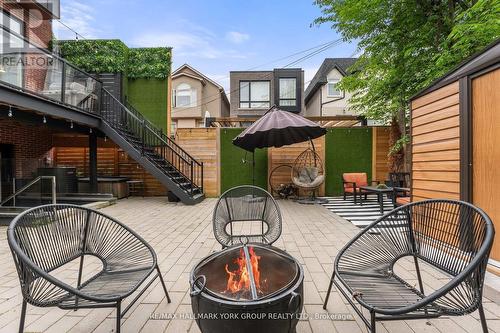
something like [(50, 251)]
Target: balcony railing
[(26, 66)]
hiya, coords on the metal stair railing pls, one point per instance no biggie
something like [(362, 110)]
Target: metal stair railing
[(30, 184), (152, 140)]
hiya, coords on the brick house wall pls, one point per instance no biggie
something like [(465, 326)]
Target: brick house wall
[(38, 30), (32, 144)]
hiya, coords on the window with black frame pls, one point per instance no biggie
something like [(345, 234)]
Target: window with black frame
[(10, 44), (255, 94), (288, 91)]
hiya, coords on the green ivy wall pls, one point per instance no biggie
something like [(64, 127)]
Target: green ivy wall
[(347, 150), (149, 97), (233, 171)]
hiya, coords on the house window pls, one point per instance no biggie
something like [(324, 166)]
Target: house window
[(333, 90), (288, 91), (10, 49), (254, 94), (184, 96)]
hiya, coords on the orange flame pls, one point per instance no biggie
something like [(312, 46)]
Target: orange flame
[(239, 279)]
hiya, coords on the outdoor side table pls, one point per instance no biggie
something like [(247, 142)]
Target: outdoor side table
[(379, 192), (136, 187)]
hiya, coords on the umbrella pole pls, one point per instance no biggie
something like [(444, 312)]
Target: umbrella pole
[(253, 167), (314, 150)]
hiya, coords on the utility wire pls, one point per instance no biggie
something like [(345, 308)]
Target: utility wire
[(267, 76), (315, 50)]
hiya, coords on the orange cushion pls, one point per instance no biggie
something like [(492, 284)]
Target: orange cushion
[(360, 178), (403, 200)]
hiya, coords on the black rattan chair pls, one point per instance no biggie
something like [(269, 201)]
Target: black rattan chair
[(45, 238), (452, 236), (246, 214)]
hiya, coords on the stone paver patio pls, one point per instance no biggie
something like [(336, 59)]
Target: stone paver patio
[(181, 235)]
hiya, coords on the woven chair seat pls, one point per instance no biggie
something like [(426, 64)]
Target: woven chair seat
[(383, 292), (109, 284)]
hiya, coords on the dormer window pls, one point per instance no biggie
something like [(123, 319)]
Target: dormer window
[(184, 96), (333, 90)]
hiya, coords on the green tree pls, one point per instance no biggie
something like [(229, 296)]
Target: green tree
[(405, 45)]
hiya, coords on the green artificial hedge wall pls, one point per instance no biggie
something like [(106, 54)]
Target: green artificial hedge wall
[(96, 55), (113, 56), (149, 97), (233, 171), (347, 150)]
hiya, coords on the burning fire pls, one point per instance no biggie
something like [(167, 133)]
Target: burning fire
[(239, 279)]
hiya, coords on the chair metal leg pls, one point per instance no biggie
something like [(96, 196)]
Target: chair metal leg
[(23, 316), (329, 290), (372, 321), (163, 284), (483, 318), (118, 316)]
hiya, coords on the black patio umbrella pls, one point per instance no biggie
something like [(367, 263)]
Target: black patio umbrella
[(277, 128)]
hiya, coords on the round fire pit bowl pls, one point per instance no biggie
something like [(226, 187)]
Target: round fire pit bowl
[(247, 288)]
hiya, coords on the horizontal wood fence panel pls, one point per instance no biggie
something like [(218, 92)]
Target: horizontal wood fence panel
[(445, 155), (435, 95), (437, 146), (448, 112), (437, 125)]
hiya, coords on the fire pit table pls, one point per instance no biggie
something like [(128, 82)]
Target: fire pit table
[(250, 287)]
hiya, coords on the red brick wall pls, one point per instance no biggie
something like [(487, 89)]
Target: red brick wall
[(38, 29), (32, 144)]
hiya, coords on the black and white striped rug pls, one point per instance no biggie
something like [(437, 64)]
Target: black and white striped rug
[(359, 215)]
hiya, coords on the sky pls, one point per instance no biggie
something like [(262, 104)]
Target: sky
[(213, 36)]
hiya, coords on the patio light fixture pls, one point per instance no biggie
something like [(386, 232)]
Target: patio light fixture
[(10, 111), (44, 120)]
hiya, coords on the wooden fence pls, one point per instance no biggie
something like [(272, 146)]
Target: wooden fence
[(204, 145)]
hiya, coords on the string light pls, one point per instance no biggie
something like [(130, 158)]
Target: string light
[(10, 111)]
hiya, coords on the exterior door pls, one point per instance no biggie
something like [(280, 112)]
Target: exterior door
[(6, 170), (486, 149)]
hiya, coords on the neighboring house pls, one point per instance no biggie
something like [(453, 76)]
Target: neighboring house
[(322, 96), (195, 97), (254, 92)]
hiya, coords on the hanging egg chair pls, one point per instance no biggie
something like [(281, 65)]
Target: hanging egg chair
[(308, 174)]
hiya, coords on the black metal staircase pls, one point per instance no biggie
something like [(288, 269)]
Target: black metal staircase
[(153, 149), (69, 93)]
